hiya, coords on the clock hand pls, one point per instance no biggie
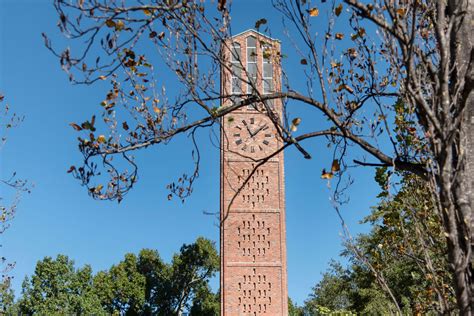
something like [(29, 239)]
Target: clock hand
[(248, 129), (258, 131)]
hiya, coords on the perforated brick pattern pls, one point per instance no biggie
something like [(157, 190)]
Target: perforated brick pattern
[(253, 246)]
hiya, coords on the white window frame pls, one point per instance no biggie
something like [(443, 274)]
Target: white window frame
[(267, 61), (235, 61), (248, 56)]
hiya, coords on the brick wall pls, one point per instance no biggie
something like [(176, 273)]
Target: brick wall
[(253, 245)]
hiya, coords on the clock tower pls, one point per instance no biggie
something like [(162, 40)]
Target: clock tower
[(253, 275)]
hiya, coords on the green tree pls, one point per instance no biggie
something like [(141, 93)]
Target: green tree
[(205, 303), (144, 284), (406, 247), (186, 276), (56, 287), (293, 309), (138, 285), (7, 299), (121, 289)]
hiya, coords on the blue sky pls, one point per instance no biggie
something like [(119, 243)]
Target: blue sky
[(59, 217)]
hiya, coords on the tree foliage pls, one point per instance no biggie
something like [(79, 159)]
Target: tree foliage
[(57, 287), (416, 52), (406, 246), (138, 285)]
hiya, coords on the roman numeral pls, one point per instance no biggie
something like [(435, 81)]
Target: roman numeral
[(252, 120), (236, 135), (252, 149), (244, 122), (238, 142), (266, 142)]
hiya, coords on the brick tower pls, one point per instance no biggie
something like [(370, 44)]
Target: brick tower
[(253, 243)]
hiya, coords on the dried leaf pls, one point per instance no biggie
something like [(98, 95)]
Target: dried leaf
[(102, 77), (352, 52), (401, 11), (296, 121), (314, 12), (110, 23), (303, 61), (125, 126), (294, 124), (76, 127), (147, 12), (338, 10), (71, 169), (221, 5), (326, 175), (339, 36), (335, 167)]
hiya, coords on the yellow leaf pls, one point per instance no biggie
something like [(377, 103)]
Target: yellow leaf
[(156, 109), (339, 36), (119, 25), (99, 188), (326, 175), (101, 139), (335, 166), (147, 12), (338, 10), (314, 12)]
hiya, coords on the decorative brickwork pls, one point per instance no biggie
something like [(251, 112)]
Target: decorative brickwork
[(253, 246)]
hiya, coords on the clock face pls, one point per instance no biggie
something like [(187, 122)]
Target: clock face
[(252, 136)]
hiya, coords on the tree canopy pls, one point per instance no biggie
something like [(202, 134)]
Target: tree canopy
[(140, 284), (406, 247)]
